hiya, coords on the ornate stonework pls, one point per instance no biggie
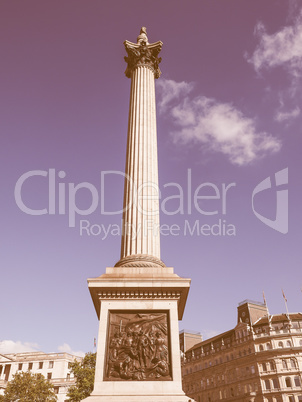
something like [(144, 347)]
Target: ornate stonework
[(135, 294), (140, 260), (142, 54), (138, 347)]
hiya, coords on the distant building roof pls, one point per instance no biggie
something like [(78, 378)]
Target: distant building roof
[(275, 318), (251, 302), (188, 331)]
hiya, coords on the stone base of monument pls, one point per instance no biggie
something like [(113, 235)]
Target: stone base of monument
[(138, 353), (139, 398)]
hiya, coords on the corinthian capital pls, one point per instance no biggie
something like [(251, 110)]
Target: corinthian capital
[(142, 53)]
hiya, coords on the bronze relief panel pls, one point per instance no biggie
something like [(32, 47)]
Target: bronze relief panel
[(138, 347)]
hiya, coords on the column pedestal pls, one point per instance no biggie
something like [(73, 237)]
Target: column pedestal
[(138, 356)]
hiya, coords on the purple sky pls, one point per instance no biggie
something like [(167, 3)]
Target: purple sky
[(228, 108)]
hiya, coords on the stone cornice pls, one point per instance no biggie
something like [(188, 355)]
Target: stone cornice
[(126, 283)]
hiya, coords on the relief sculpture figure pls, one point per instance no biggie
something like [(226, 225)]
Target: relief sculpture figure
[(139, 349)]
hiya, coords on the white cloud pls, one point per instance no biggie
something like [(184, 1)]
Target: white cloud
[(219, 127), (65, 348), (171, 91), (283, 116), (283, 48), (9, 346)]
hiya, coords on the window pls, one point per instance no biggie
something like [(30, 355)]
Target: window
[(300, 343), (267, 384), (40, 365), (49, 376), (288, 344), (292, 363), (300, 398), (284, 364), (297, 382), (268, 346), (280, 344), (275, 383), (56, 390), (68, 377), (288, 382), (272, 365), (261, 347), (253, 369), (291, 398), (264, 367), (30, 366), (20, 366), (50, 365)]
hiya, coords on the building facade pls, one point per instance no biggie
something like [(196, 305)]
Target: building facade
[(188, 339), (53, 366), (258, 360)]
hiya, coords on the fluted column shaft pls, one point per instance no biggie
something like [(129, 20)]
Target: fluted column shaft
[(141, 203), (141, 231)]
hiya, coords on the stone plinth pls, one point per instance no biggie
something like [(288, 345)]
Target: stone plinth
[(138, 356)]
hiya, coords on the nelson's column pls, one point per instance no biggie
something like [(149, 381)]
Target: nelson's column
[(140, 300)]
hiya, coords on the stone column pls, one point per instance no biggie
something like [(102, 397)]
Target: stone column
[(141, 235), (140, 300)]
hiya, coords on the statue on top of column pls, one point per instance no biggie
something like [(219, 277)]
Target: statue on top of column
[(143, 53), (142, 37)]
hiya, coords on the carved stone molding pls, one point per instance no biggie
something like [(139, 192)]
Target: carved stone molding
[(140, 260), (142, 54), (139, 295), (138, 347)]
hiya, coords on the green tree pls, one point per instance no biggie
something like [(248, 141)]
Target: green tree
[(28, 387), (84, 375)]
